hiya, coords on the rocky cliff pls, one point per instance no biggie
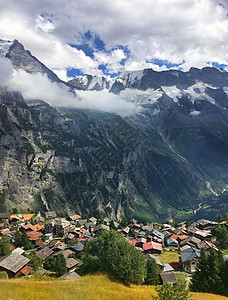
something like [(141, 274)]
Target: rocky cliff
[(168, 157)]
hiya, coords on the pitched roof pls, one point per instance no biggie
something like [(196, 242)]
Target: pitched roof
[(38, 227), (71, 262), (148, 227), (71, 275), (50, 214), (93, 219), (101, 226), (78, 247), (158, 261), (60, 246), (18, 250), (158, 234), (172, 241), (33, 235), (190, 239), (65, 253), (26, 270), (45, 252), (152, 245), (168, 268), (28, 226), (168, 277), (82, 222), (74, 217), (25, 217), (189, 254), (13, 262)]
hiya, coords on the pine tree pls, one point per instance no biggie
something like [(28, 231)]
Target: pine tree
[(199, 280), (25, 242), (209, 276), (152, 276), (188, 223), (17, 239), (60, 265), (218, 218), (4, 246)]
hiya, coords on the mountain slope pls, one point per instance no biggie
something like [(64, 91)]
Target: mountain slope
[(23, 59), (90, 161), (170, 156)]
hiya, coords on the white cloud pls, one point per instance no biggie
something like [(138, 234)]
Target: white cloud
[(112, 60), (195, 31), (106, 102), (38, 86), (6, 71)]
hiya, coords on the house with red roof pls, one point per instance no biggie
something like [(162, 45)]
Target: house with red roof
[(153, 248)]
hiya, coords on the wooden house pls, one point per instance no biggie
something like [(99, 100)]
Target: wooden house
[(14, 264)]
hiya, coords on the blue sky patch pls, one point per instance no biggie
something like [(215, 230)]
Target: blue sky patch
[(217, 65), (161, 62)]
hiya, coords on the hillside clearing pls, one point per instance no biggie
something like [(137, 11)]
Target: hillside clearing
[(90, 287)]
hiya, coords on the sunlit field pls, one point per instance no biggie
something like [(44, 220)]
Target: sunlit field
[(90, 287)]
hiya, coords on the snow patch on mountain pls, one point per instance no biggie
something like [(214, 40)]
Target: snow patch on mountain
[(173, 92), (195, 113), (141, 97), (197, 91), (128, 78)]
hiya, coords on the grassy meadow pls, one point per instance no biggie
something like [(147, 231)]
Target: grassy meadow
[(90, 287), (168, 257)]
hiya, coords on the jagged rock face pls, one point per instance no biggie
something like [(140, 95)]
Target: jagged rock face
[(93, 83), (170, 156), (23, 59), (87, 161)]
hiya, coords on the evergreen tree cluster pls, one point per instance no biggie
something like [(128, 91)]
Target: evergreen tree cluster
[(110, 252), (211, 274), (21, 240), (219, 218), (4, 246), (152, 272), (35, 261), (221, 234), (56, 264)]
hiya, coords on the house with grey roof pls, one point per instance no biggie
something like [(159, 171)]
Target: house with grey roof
[(93, 220), (167, 268), (148, 228), (172, 243), (45, 252), (159, 263), (168, 277), (101, 227), (157, 234), (13, 263), (189, 258), (82, 222), (71, 275), (78, 248), (50, 215)]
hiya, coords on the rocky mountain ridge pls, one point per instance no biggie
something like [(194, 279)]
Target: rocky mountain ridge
[(171, 156)]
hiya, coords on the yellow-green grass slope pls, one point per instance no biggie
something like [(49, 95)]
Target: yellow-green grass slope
[(90, 287), (168, 257)]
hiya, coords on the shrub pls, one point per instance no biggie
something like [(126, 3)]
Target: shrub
[(3, 275), (169, 292)]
